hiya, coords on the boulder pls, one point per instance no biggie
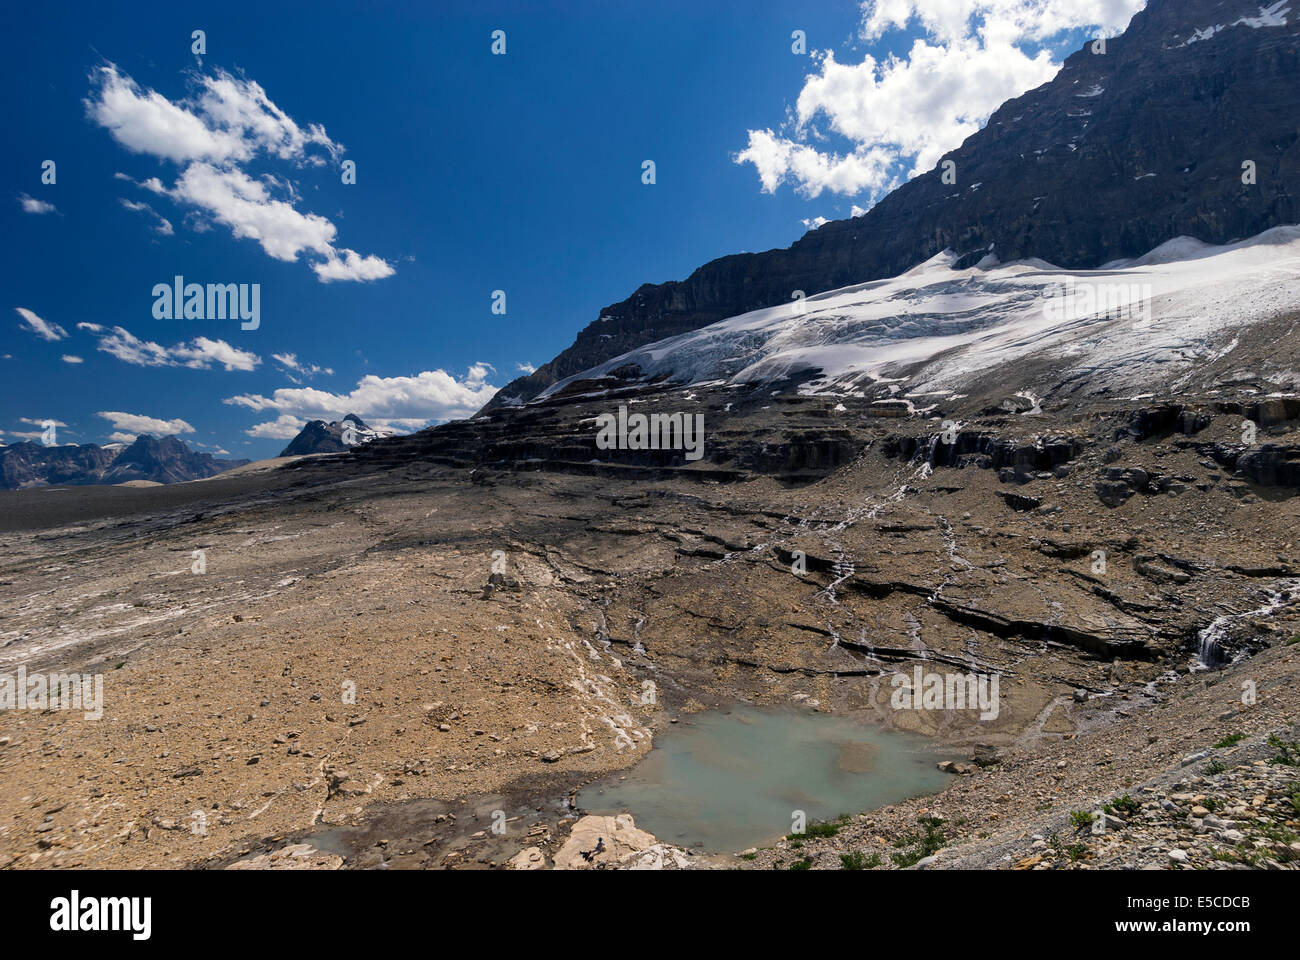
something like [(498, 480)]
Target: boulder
[(529, 858), (621, 838), (1113, 493), (1018, 501), (296, 856)]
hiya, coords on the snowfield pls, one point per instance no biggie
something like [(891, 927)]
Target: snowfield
[(1184, 302)]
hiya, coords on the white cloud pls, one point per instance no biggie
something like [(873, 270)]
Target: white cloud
[(32, 205), (236, 200), (352, 266), (296, 370), (814, 223), (70, 358), (198, 354), (152, 184), (161, 225), (230, 121), (525, 367), (242, 106), (130, 425), (900, 115), (778, 159), (410, 402), (952, 20), (284, 427), (144, 121), (42, 328)]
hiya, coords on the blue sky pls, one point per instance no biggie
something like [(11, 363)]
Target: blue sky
[(474, 173)]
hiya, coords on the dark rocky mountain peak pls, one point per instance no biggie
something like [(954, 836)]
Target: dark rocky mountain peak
[(318, 436)]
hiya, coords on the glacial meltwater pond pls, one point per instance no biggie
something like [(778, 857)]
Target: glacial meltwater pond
[(723, 781)]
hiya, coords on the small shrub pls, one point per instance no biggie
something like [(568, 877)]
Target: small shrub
[(1075, 851), (1125, 805), (857, 860), (823, 829), (1288, 751), (931, 841)]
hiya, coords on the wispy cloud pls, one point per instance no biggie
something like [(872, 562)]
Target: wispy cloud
[(32, 205), (35, 422), (201, 353), (296, 370), (226, 123), (161, 225), (44, 329)]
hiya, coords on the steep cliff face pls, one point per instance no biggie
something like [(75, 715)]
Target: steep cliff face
[(1120, 152)]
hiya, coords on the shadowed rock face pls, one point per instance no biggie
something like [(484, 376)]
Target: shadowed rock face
[(1121, 152)]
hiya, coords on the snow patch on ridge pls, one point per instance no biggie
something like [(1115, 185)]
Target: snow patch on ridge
[(1272, 16)]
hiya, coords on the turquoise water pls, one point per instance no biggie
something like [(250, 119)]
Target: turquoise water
[(723, 781)]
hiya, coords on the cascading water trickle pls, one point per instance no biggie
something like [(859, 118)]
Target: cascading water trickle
[(1209, 645), (1208, 652)]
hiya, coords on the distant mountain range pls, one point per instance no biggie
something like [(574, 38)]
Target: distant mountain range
[(166, 460), (1121, 152), (321, 437)]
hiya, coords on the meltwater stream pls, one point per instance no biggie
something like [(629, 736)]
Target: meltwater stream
[(723, 781), (1209, 653)]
